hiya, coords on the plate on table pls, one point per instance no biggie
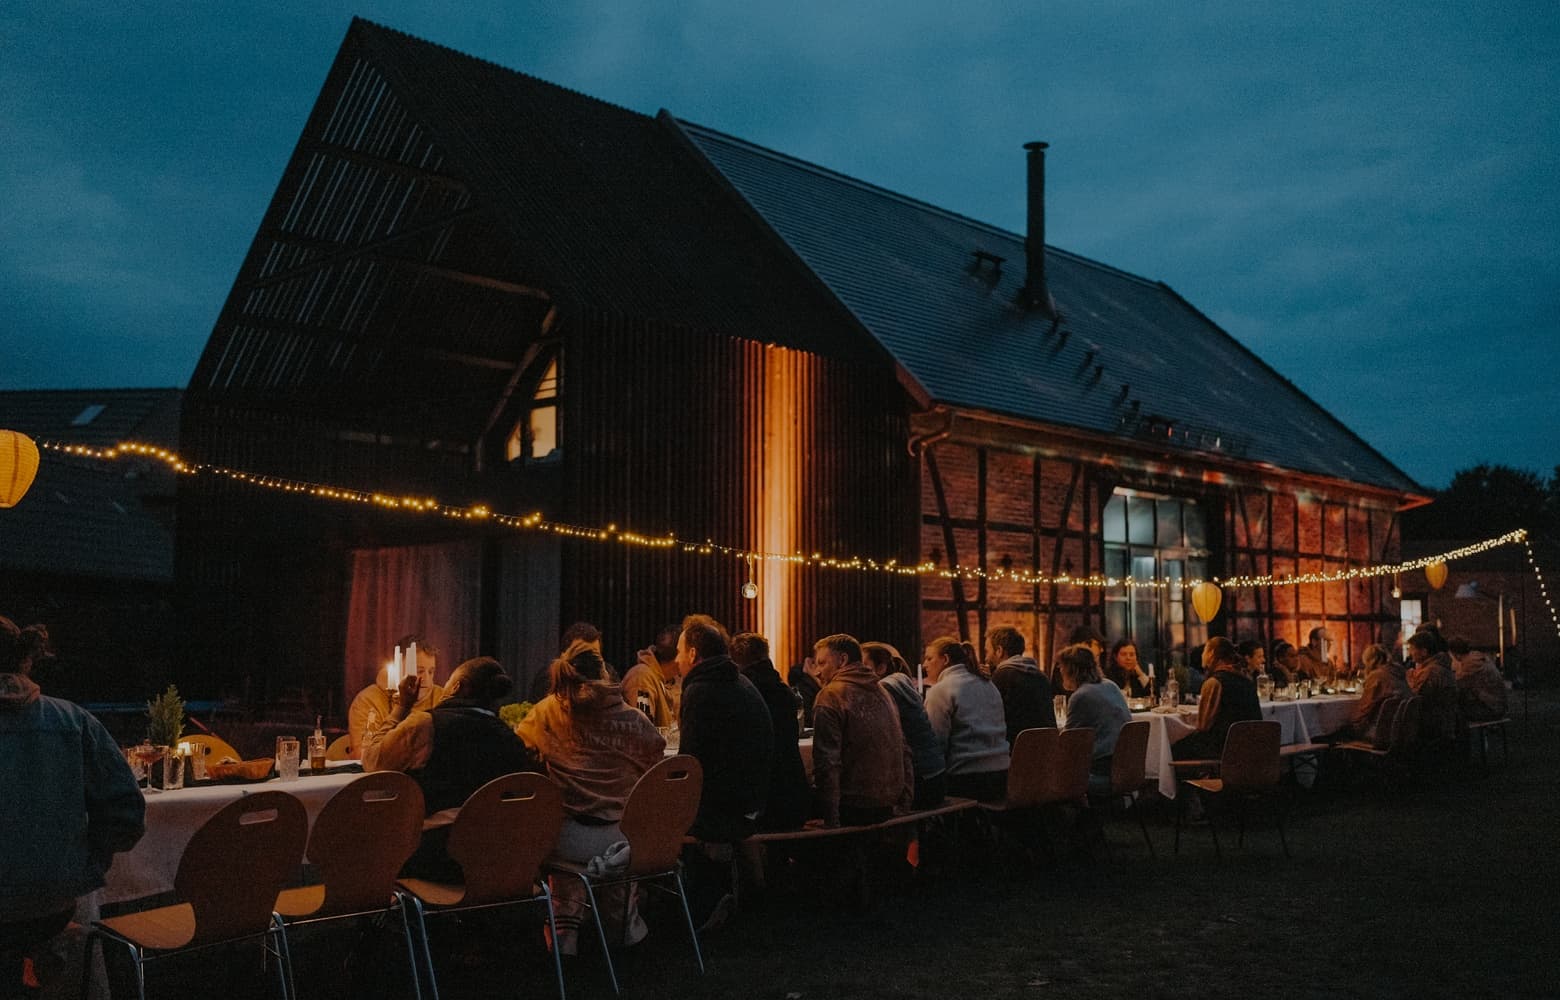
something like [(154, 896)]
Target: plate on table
[(1140, 704), (1164, 709)]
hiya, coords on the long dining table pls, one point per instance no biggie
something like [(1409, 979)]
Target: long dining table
[(1300, 720)]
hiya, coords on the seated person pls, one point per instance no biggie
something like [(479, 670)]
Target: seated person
[(1227, 696), (1085, 635), (1481, 690), (1383, 679), (450, 750), (789, 791), (966, 714), (803, 679), (1026, 694), (1093, 703), (1317, 659), (595, 746), (1255, 656), (1285, 665), (650, 685), (1123, 670), (585, 632), (926, 758), (725, 724), (373, 702), (861, 763), (1432, 679)]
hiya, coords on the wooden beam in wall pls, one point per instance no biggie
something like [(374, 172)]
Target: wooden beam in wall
[(948, 541)]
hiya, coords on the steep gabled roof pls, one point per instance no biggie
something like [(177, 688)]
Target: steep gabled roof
[(435, 211), (1130, 357), (88, 519)]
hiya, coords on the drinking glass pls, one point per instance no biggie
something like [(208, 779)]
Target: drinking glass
[(317, 753), (1059, 704), (287, 758), (672, 736), (173, 769)]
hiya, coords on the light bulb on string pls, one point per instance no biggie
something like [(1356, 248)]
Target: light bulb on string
[(750, 589)]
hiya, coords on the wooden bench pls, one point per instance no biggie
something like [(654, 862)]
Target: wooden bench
[(1482, 730), (950, 806)]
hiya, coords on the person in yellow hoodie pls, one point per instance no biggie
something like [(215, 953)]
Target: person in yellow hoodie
[(595, 747)]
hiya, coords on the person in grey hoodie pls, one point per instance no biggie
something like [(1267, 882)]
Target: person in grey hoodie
[(1026, 694), (71, 803), (966, 714)]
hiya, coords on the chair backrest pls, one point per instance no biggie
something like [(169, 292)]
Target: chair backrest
[(1250, 761), (1406, 729), (1129, 761), (213, 748), (341, 748), (502, 834), (659, 811), (361, 839), (1033, 758), (237, 862), (1068, 778), (1381, 726)]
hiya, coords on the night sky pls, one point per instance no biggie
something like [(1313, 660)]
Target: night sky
[(1364, 194)]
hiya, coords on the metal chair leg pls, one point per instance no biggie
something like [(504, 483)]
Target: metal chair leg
[(1213, 828), (552, 931), (283, 952), (421, 922), (1137, 807), (601, 932), (693, 933), (403, 904)]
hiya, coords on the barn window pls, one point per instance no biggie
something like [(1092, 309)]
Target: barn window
[(535, 435)]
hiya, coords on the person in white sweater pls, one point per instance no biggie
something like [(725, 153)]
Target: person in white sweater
[(965, 710)]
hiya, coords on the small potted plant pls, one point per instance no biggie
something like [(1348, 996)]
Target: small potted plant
[(513, 713), (165, 724)]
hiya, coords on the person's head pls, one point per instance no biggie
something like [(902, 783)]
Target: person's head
[(944, 652), (580, 664), (21, 648), (1422, 646), (833, 652), (1123, 653), (581, 632), (702, 638), (1458, 646), (1004, 642), (481, 680), (1078, 666), (1089, 636), (883, 659), (748, 648), (1220, 654), (1252, 652), (1286, 654), (1375, 656), (1320, 640), (1431, 632)]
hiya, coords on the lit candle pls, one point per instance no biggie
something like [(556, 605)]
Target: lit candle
[(184, 748), (393, 675), (411, 660), (918, 682)]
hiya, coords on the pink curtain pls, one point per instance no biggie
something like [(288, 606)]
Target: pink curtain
[(432, 590)]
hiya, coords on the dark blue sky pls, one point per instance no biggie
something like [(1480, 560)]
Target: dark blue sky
[(1364, 194)]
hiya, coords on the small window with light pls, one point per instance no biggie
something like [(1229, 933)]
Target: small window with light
[(535, 435)]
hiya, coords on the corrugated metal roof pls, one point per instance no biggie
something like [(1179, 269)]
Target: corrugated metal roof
[(88, 519), (1129, 358)]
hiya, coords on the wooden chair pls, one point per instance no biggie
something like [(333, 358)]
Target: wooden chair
[(499, 838), (1248, 771), (359, 842), (1048, 768), (340, 749), (228, 880), (1402, 733), (1129, 777), (659, 811), (213, 748)]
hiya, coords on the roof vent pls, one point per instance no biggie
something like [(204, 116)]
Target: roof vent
[(986, 267), (1035, 294), (88, 415)]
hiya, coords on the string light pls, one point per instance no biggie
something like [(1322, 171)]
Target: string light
[(611, 533), (1543, 589)]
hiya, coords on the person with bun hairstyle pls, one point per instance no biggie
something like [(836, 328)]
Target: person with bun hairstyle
[(595, 747), (72, 804), (965, 710)]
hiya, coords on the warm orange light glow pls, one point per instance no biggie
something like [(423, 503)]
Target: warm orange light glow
[(780, 495)]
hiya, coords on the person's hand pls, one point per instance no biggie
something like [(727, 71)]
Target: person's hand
[(810, 668), (406, 696)]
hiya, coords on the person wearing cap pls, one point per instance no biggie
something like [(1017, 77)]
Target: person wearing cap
[(373, 704)]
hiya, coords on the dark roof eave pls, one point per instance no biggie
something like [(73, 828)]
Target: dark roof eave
[(1104, 443)]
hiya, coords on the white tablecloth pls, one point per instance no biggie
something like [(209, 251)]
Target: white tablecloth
[(172, 818), (1299, 721)]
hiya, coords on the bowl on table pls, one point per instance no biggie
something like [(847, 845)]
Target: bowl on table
[(243, 770)]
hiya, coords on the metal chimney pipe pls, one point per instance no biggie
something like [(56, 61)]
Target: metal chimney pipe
[(1036, 294)]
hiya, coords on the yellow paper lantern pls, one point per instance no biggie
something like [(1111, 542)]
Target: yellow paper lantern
[(1206, 598), (1436, 574), (18, 466)]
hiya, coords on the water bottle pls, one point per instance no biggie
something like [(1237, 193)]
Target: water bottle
[(1172, 692), (643, 700)]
